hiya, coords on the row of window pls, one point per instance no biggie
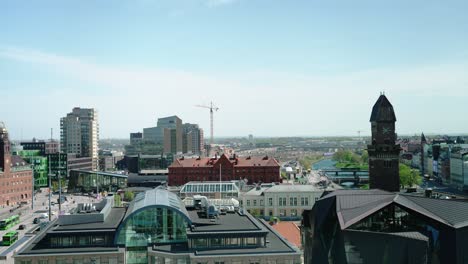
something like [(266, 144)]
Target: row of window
[(201, 243), (282, 212), (76, 260), (282, 201), (81, 241)]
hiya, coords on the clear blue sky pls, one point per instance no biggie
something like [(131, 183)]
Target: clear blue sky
[(275, 68)]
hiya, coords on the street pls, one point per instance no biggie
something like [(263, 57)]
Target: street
[(27, 215)]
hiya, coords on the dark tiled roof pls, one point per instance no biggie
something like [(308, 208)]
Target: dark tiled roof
[(383, 110), (355, 205), (454, 212)]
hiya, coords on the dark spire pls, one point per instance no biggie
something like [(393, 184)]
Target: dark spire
[(423, 138), (382, 110)]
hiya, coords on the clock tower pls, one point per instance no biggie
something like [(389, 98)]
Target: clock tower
[(5, 155), (383, 152)]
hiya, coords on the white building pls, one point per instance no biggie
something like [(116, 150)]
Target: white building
[(459, 170), (79, 133), (210, 189), (283, 201)]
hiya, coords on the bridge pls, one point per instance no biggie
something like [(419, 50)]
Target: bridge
[(355, 175)]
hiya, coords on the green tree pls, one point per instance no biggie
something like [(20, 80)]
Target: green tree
[(284, 175), (128, 196), (365, 157), (409, 177)]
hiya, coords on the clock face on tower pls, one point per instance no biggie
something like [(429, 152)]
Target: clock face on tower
[(386, 130)]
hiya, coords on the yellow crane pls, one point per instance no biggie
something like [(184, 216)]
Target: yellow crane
[(212, 108)]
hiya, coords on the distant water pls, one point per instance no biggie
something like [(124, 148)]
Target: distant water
[(324, 164)]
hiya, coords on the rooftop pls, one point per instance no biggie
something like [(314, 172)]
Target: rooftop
[(112, 221), (290, 231), (234, 161), (354, 205)]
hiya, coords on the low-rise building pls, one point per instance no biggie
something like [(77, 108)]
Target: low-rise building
[(156, 228), (282, 201), (374, 226), (251, 169)]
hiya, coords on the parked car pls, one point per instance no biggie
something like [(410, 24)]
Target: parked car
[(36, 221), (43, 216), (21, 227)]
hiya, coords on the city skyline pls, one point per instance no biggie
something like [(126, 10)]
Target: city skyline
[(292, 69)]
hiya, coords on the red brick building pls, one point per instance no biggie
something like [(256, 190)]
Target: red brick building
[(15, 174), (254, 169)]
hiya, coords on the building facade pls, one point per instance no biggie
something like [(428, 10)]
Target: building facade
[(459, 170), (79, 134), (16, 176), (35, 145), (286, 202), (193, 141), (223, 168), (39, 165), (384, 154), (52, 146)]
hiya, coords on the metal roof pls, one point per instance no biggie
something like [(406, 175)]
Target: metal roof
[(157, 198), (383, 111), (353, 206)]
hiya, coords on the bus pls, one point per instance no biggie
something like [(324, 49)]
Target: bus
[(9, 222), (10, 238)]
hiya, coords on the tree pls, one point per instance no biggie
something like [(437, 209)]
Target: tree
[(365, 157), (408, 176), (128, 196)]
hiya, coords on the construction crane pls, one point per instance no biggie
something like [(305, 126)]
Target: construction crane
[(359, 133), (211, 107)]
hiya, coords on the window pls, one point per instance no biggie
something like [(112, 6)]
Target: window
[(387, 163), (270, 201), (282, 201), (254, 202), (248, 202), (282, 212), (261, 202), (293, 212)]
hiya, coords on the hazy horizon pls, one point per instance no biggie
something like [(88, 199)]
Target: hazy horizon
[(274, 68)]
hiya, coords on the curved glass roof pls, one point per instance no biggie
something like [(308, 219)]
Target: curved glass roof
[(157, 198), (209, 187)]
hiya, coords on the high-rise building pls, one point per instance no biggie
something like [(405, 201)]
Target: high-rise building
[(172, 128), (16, 176), (136, 138), (79, 133), (383, 152), (193, 140), (168, 133)]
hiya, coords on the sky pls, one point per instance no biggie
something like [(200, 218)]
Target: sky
[(274, 68)]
